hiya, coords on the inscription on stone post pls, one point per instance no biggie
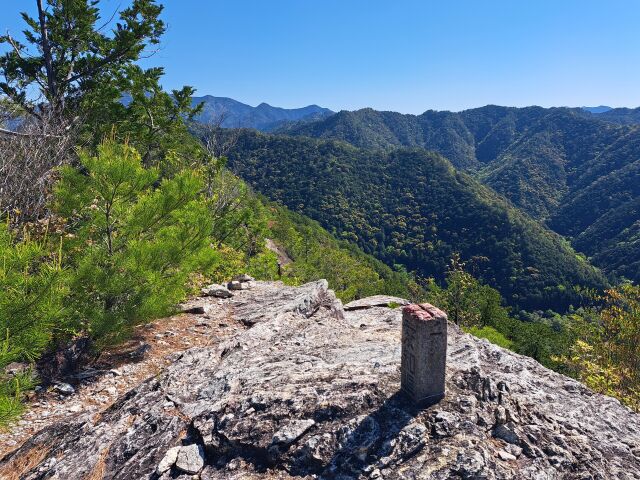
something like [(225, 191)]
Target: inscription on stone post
[(424, 353)]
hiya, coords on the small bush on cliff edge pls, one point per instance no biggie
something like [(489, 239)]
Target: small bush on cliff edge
[(31, 304), (605, 354), (136, 239)]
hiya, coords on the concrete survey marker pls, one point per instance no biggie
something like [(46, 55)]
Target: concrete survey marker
[(424, 353)]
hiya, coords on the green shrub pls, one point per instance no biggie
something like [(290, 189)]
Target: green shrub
[(136, 240), (31, 305), (492, 335)]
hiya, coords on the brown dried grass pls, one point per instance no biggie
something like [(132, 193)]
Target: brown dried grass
[(99, 468), (23, 463)]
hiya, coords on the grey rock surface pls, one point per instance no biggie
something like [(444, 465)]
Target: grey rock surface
[(376, 301), (168, 460), (218, 291), (190, 459), (311, 391)]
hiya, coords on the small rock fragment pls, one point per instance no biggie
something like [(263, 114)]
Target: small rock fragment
[(64, 388), (514, 450), (168, 460), (236, 285), (190, 459), (507, 457), (216, 290)]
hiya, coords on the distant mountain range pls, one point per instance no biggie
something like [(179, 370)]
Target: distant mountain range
[(622, 116), (599, 109), (264, 117), (574, 170), (267, 118)]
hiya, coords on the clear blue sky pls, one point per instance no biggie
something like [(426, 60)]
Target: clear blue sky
[(403, 55)]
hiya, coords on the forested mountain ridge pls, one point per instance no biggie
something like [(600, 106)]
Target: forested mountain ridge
[(564, 167), (234, 114), (623, 116), (411, 207)]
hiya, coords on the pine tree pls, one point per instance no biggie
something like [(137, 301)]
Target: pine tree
[(136, 240), (31, 307)]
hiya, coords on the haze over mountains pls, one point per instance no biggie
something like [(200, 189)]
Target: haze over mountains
[(264, 117)]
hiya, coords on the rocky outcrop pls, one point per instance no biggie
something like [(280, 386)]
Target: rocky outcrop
[(218, 291), (375, 301), (311, 391)]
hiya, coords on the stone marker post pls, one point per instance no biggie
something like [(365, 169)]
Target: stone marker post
[(424, 353)]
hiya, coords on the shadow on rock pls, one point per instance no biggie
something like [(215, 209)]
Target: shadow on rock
[(385, 435)]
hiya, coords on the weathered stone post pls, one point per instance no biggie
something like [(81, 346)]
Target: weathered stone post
[(424, 353)]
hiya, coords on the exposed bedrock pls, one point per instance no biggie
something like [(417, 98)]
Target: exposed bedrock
[(309, 390)]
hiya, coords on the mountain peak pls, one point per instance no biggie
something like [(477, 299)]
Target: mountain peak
[(263, 117)]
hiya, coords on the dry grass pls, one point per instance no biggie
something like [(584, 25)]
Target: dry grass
[(20, 464), (99, 469)]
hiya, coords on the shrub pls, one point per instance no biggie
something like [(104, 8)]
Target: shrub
[(31, 306), (136, 240), (492, 335), (605, 353)]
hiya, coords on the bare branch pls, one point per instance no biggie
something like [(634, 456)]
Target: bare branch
[(4, 131), (218, 141), (28, 160), (15, 47), (113, 15)]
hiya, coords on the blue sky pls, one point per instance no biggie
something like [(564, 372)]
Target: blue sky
[(403, 55)]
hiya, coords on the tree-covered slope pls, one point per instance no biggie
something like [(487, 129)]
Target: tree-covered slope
[(570, 169), (411, 207), (604, 219), (443, 132), (469, 139)]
